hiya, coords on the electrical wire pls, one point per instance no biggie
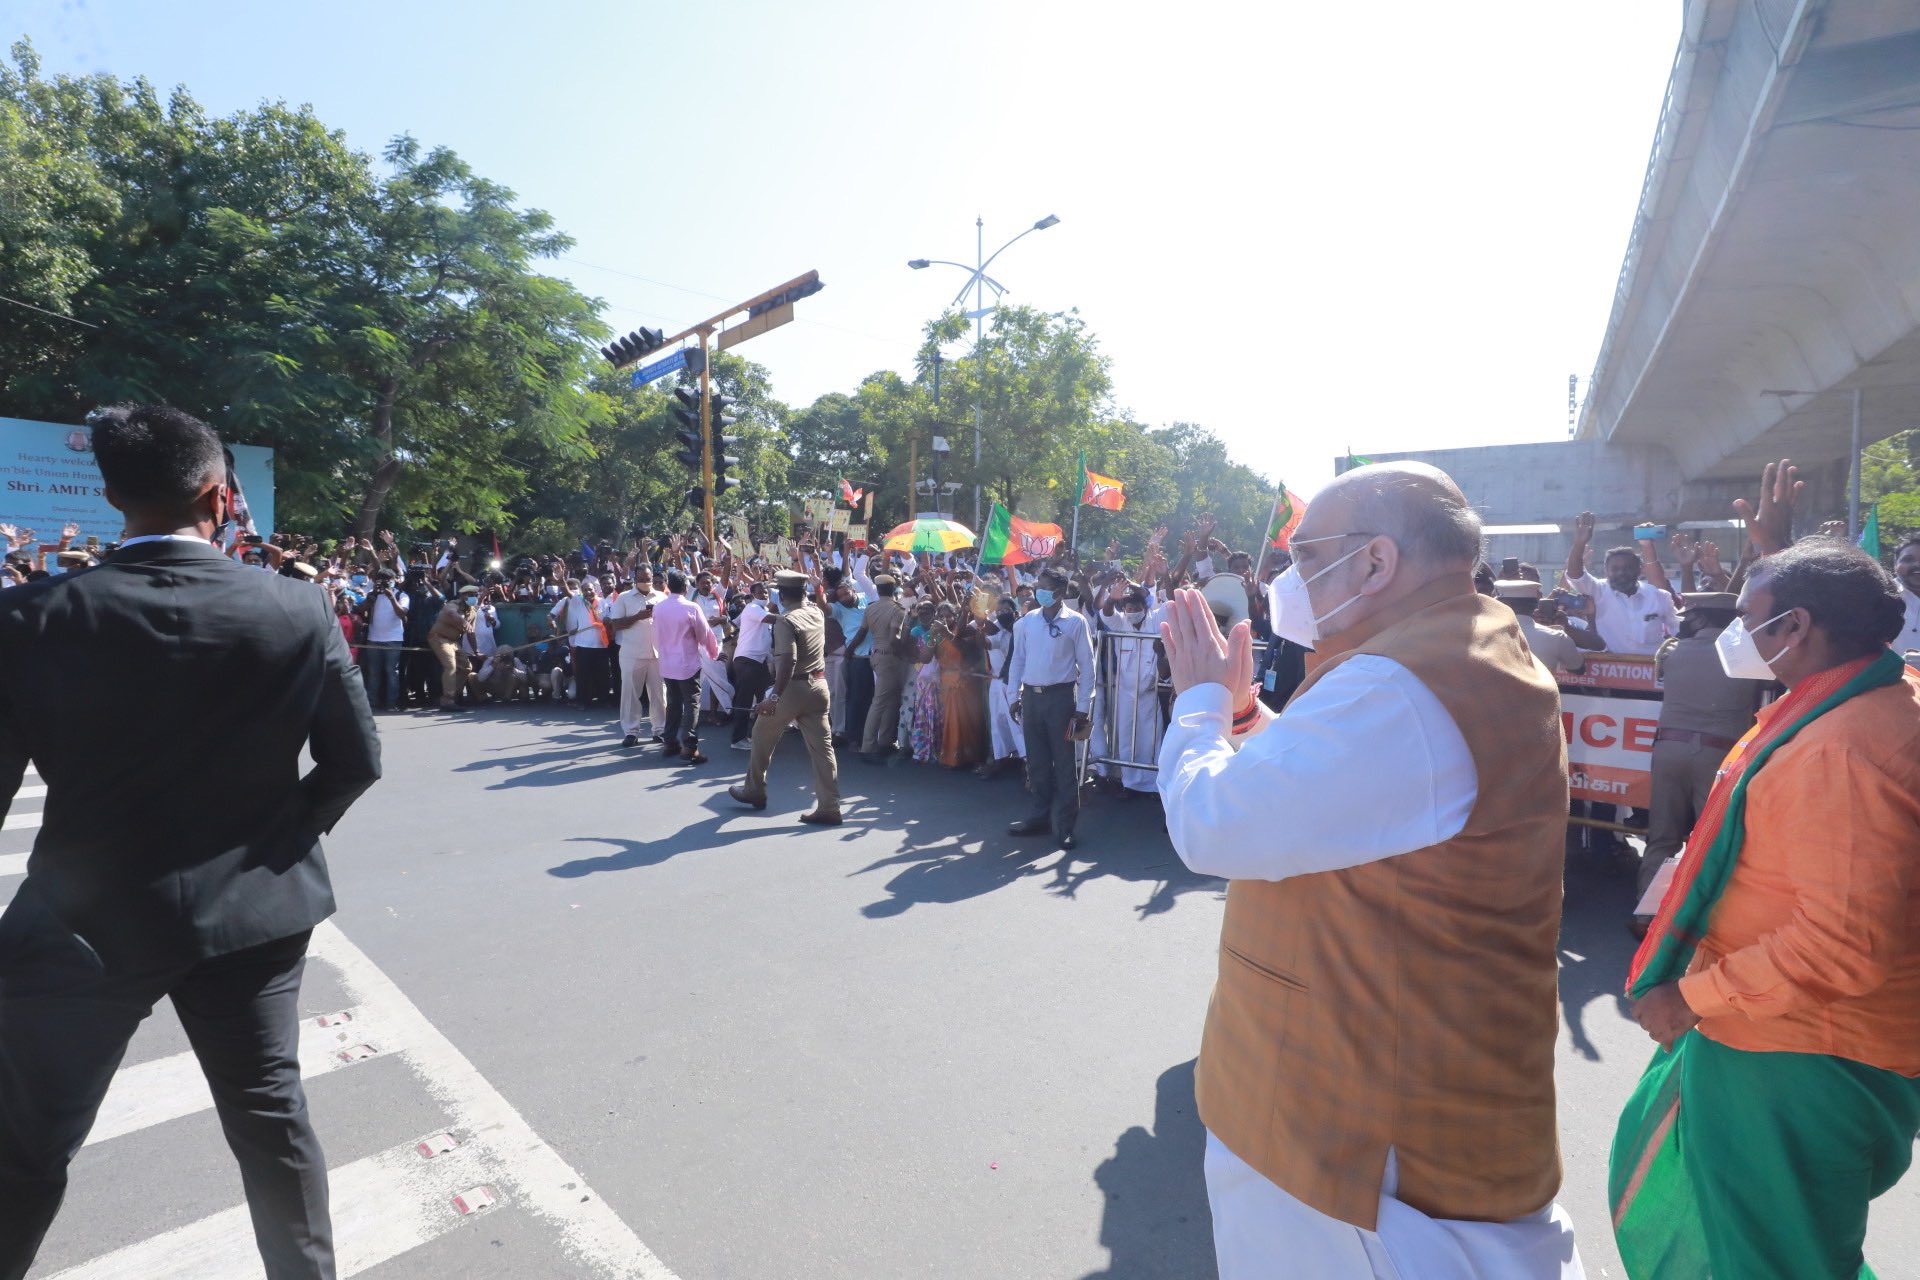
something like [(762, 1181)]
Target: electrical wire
[(43, 311)]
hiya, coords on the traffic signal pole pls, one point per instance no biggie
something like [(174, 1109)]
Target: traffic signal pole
[(706, 437), (768, 310)]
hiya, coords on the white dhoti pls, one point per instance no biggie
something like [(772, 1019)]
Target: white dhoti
[(837, 693), (1008, 740), (716, 686), (1128, 725), (1262, 1233)]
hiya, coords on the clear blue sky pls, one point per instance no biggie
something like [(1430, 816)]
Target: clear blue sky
[(1305, 226)]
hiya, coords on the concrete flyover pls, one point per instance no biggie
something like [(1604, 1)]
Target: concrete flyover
[(1776, 247)]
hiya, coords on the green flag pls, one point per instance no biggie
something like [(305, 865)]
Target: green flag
[(1870, 532)]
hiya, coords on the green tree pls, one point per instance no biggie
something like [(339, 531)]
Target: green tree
[(384, 332)]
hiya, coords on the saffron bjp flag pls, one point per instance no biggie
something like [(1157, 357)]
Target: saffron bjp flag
[(1288, 508), (1100, 491), (1011, 540)]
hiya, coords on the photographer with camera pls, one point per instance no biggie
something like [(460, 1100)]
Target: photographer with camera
[(385, 616)]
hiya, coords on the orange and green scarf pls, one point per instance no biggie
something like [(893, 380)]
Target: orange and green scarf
[(1714, 846)]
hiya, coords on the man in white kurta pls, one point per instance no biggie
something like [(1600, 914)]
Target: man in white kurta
[(1129, 727), (1009, 743), (1364, 765)]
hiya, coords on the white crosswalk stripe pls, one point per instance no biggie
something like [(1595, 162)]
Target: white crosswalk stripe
[(391, 1203), (383, 1206), (13, 860), (163, 1089)]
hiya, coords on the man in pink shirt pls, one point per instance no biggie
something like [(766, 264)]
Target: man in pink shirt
[(682, 636)]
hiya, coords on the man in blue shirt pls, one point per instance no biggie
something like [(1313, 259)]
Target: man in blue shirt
[(854, 695)]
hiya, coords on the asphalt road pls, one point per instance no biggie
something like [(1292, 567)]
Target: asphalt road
[(676, 1038)]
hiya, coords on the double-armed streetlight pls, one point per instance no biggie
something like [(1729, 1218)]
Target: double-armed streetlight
[(978, 281)]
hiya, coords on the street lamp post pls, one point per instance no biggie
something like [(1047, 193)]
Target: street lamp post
[(978, 282)]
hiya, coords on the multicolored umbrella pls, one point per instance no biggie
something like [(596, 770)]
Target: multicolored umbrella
[(929, 533)]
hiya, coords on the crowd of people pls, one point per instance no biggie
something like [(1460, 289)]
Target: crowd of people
[(1388, 958)]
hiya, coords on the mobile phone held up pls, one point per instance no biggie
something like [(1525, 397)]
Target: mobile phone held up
[(1571, 600), (1649, 532)]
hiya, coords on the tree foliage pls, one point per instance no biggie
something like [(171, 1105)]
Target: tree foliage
[(382, 324), (381, 327)]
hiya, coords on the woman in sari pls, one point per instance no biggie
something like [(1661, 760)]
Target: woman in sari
[(926, 721), (963, 696)]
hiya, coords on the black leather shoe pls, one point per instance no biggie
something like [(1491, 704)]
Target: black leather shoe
[(631, 740), (1028, 827), (1069, 842), (694, 757)]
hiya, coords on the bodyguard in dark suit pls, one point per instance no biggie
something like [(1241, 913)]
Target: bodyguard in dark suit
[(165, 698)]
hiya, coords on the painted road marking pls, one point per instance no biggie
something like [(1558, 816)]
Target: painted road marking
[(383, 1206), (30, 793), (532, 1175), (13, 864), (163, 1089), (20, 822)]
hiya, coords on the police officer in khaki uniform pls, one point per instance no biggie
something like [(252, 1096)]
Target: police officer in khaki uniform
[(799, 696), (1703, 713), (1553, 646)]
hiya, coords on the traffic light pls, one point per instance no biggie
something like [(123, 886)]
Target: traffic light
[(624, 351), (688, 412), (720, 418), (794, 294)]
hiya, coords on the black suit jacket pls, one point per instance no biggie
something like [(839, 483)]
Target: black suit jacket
[(165, 698)]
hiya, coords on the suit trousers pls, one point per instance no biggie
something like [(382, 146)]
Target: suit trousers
[(64, 1027), (807, 704), (638, 676), (883, 717), (751, 680), (592, 670), (1052, 757), (1682, 777), (683, 714)]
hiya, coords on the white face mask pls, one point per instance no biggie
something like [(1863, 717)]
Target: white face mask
[(1292, 608), (1740, 655)]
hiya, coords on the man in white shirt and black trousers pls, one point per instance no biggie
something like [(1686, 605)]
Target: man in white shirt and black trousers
[(1052, 667)]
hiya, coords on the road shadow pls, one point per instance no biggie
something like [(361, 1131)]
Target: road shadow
[(1595, 947), (953, 843), (943, 831), (1155, 1222)]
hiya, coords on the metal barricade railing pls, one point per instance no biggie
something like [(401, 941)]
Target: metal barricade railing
[(1134, 744)]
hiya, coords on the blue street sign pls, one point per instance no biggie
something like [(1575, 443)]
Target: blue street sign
[(660, 369)]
